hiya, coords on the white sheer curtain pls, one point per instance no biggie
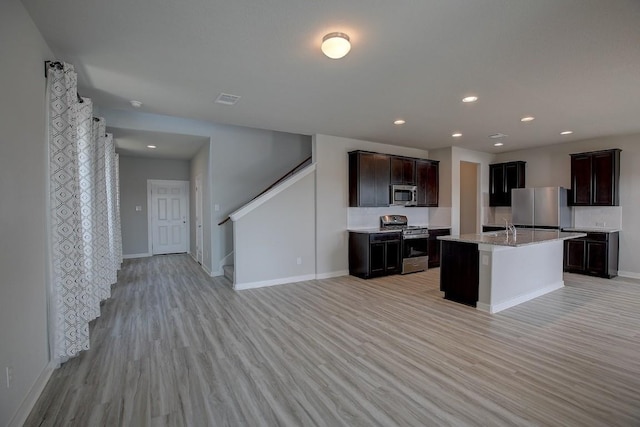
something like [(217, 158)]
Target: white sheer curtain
[(86, 245)]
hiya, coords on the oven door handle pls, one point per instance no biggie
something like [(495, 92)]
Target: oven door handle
[(415, 236)]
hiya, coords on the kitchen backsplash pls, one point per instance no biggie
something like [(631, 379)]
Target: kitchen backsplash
[(498, 214), (370, 217), (597, 216), (440, 216)]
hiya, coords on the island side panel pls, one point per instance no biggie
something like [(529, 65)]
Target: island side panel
[(459, 272), (512, 275)]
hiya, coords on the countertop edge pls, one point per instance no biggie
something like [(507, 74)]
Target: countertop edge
[(371, 230), (592, 230), (478, 239)]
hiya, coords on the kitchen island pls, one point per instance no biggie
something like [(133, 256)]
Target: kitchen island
[(497, 270)]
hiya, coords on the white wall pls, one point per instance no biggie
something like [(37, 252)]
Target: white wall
[(268, 245), (23, 183), (200, 166), (134, 173), (243, 162), (551, 166), (332, 197)]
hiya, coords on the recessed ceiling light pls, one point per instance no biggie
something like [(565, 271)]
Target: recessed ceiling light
[(527, 119), (399, 122), (456, 135), (566, 132), (152, 146), (470, 99), (335, 45), (498, 144), (135, 104)]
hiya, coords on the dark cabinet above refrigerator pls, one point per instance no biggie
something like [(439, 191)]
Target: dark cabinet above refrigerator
[(503, 177)]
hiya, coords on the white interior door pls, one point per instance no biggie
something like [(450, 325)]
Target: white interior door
[(199, 231), (169, 217)]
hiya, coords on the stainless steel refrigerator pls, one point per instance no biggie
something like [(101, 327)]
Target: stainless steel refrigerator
[(543, 207)]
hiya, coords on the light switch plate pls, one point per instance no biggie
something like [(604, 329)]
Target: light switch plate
[(138, 208)]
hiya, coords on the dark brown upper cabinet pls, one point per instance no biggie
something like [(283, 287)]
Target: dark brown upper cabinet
[(502, 178), (368, 179), (371, 174), (403, 171), (595, 178), (427, 182)]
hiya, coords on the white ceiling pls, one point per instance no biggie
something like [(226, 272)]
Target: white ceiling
[(573, 64), (134, 143)]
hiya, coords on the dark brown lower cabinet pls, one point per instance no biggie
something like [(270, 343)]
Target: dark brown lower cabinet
[(594, 255), (489, 228), (374, 254), (434, 246), (459, 272)]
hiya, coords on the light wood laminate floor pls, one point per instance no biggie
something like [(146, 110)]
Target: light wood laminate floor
[(174, 347)]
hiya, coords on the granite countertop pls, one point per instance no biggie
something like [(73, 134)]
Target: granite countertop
[(524, 236), (593, 229)]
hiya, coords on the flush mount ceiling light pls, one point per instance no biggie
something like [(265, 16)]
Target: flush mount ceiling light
[(335, 45), (527, 119), (498, 144), (152, 146), (135, 104), (470, 99), (456, 135), (566, 132), (399, 122)]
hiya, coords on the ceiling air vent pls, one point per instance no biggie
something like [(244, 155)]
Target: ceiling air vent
[(498, 136), (226, 99)]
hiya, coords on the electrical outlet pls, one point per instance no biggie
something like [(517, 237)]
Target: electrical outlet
[(9, 376), (299, 260)]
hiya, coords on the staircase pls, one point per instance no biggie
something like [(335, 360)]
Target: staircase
[(289, 179), (306, 162)]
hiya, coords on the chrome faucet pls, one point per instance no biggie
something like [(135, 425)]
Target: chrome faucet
[(509, 228)]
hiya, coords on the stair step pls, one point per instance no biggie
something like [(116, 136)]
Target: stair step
[(228, 272)]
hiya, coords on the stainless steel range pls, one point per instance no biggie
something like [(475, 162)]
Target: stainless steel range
[(415, 242)]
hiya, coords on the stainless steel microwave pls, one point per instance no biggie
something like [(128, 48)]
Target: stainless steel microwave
[(403, 195)]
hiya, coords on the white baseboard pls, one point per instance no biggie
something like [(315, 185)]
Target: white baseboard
[(131, 256), (483, 307), (332, 274), (32, 396), (495, 308), (216, 273), (629, 274), (264, 283)]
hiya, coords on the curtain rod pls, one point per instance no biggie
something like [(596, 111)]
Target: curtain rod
[(59, 66)]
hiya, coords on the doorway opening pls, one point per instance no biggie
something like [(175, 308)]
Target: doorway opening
[(469, 206), (199, 229)]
